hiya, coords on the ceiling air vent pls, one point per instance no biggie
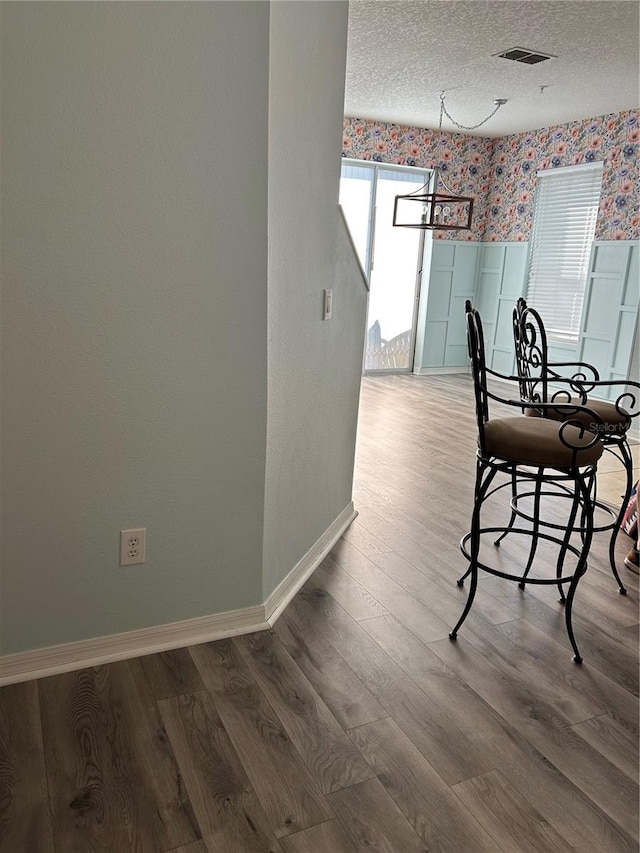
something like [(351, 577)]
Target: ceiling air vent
[(521, 54)]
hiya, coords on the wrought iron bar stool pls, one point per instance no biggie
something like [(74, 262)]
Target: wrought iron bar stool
[(541, 451), (539, 382)]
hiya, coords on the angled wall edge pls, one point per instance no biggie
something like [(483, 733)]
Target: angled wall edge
[(40, 663)]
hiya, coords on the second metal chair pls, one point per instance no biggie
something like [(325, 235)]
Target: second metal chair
[(543, 381)]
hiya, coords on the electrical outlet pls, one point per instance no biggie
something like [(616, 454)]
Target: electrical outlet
[(132, 546)]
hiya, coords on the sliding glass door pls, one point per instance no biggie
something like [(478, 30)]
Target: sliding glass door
[(391, 258)]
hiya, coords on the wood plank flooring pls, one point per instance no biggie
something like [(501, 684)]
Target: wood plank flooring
[(356, 724)]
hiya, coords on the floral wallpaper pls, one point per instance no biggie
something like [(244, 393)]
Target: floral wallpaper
[(516, 159), (464, 161), (501, 173)]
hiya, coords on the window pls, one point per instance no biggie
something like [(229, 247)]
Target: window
[(564, 221)]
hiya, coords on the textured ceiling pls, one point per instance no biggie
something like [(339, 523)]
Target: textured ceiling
[(402, 54)]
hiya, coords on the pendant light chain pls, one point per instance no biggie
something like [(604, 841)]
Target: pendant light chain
[(499, 102), (451, 212), (443, 111), (440, 142)]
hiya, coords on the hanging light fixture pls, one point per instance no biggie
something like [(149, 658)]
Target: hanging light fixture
[(438, 210)]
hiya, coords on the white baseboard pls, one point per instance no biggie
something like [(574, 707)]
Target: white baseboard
[(434, 371), (287, 588), (25, 666)]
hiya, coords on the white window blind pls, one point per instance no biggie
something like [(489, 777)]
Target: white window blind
[(564, 221)]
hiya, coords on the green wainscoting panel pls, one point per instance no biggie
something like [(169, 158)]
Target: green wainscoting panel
[(465, 259), (632, 286), (435, 344), (444, 253), (456, 345), (493, 256), (452, 280), (501, 280), (514, 270), (607, 259), (610, 314), (491, 275), (596, 351), (562, 351), (624, 345), (440, 286), (603, 292), (487, 292)]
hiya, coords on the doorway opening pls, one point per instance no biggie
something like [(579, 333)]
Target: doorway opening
[(391, 258)]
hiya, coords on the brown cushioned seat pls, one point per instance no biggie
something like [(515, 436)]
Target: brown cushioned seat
[(536, 441), (614, 422)]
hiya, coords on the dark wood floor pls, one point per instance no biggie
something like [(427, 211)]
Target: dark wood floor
[(356, 724)]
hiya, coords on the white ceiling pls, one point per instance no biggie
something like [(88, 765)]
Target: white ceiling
[(403, 53)]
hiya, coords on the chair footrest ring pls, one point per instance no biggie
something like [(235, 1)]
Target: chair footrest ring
[(523, 578), (562, 492)]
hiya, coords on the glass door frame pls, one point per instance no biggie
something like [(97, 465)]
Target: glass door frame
[(427, 174)]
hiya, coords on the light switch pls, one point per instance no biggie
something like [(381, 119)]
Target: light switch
[(328, 304)]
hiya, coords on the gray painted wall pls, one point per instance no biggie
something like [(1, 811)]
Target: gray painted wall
[(134, 308), (314, 365)]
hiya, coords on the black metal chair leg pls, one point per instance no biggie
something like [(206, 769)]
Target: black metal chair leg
[(575, 505), (453, 634), (514, 495), (482, 486), (536, 527), (462, 578), (567, 615), (581, 568), (627, 461), (479, 494)]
